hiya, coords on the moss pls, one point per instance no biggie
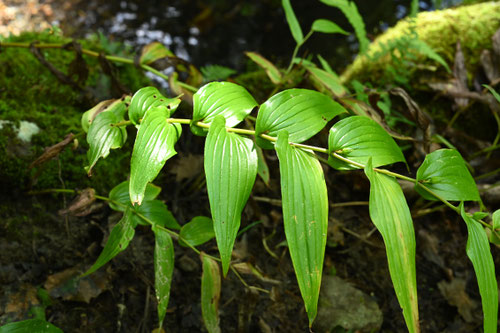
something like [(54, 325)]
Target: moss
[(472, 25), (30, 92)]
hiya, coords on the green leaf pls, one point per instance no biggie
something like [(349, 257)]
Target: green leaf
[(210, 294), (216, 72), (121, 196), (31, 326), (360, 138), (422, 47), (301, 112), (148, 98), (157, 212), (154, 51), (231, 169), (351, 12), (292, 22), (478, 251), (197, 231), (493, 92), (496, 219), (327, 27), (164, 268), (102, 137), (445, 173), (326, 66), (262, 168), (391, 215), (327, 80), (272, 72), (119, 238), (117, 106), (305, 216), (227, 99), (414, 8), (496, 227), (153, 146)]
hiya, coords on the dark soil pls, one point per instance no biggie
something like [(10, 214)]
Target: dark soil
[(40, 248), (37, 243)]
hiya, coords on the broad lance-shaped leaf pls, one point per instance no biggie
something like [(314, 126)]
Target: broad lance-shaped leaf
[(102, 137), (227, 99), (496, 227), (391, 215), (117, 106), (197, 231), (301, 112), (119, 195), (153, 146), (292, 22), (157, 212), (262, 168), (119, 238), (31, 326), (305, 216), (148, 98), (230, 168), (322, 79), (210, 293), (445, 173), (478, 251), (154, 51), (272, 72), (351, 12), (164, 268), (327, 27), (360, 138)]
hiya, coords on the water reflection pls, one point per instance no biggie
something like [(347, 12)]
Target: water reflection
[(219, 31)]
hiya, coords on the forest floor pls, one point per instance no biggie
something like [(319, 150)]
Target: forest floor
[(42, 248)]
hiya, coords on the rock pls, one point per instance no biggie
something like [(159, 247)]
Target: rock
[(340, 304)]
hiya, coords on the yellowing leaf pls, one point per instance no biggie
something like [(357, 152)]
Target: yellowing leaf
[(164, 268), (478, 251), (154, 51), (210, 294), (391, 215), (305, 215), (272, 72)]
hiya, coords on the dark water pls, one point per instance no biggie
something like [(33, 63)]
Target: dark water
[(219, 31)]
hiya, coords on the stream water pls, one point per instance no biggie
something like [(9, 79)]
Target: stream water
[(219, 31)]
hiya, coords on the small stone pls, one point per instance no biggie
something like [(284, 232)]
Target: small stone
[(340, 304)]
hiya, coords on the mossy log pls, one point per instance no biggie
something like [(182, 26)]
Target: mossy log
[(472, 25)]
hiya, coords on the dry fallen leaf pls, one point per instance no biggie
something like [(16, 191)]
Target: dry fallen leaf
[(454, 293), (81, 205), (188, 166), (52, 151), (68, 286)]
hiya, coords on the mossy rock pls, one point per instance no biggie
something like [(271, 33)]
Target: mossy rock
[(29, 92), (472, 25)]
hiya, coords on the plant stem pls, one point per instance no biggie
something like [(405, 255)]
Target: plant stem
[(296, 50), (96, 55)]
